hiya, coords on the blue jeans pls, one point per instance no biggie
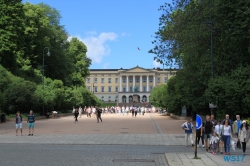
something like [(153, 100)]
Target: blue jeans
[(226, 140)]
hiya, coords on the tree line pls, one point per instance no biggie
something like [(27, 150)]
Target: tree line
[(28, 31), (210, 41)]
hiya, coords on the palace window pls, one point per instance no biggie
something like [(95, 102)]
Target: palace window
[(95, 80), (109, 80), (116, 80), (150, 88), (131, 79), (102, 98), (137, 80), (151, 79), (102, 80), (124, 89), (89, 88), (116, 89), (109, 98), (124, 80), (144, 79), (109, 88), (131, 89), (166, 79), (159, 80), (102, 88), (88, 80), (95, 88), (144, 89)]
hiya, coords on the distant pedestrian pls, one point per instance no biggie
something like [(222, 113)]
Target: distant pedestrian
[(127, 110), (243, 135), (188, 127), (214, 142), (136, 110), (19, 123), (93, 111), (80, 112), (133, 112), (31, 123), (76, 115), (98, 114), (89, 112)]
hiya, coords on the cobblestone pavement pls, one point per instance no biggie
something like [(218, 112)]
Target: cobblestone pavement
[(93, 155)]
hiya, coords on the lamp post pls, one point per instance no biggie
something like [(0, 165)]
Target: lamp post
[(48, 53)]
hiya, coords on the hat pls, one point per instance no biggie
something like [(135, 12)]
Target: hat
[(244, 121)]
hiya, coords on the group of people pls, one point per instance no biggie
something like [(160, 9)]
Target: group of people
[(217, 134), (30, 121), (93, 110)]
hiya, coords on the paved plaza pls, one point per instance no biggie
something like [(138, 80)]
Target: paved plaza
[(152, 139)]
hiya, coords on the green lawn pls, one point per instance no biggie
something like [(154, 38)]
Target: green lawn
[(108, 104)]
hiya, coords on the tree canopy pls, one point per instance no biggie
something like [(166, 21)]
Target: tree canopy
[(28, 31), (210, 42)]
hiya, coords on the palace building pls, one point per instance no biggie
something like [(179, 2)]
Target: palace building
[(121, 85)]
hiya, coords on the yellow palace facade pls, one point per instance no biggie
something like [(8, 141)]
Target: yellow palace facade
[(119, 85)]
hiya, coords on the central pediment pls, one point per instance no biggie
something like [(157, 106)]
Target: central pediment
[(136, 70)]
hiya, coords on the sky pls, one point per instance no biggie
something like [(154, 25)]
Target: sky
[(112, 30)]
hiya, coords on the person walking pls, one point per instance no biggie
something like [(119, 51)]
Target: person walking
[(217, 130), (243, 135), (136, 110), (89, 112), (200, 137), (80, 112), (207, 128), (127, 110), (98, 114), (31, 121), (123, 110), (93, 111), (76, 115), (19, 123), (226, 136), (188, 127), (133, 112), (214, 122), (236, 127)]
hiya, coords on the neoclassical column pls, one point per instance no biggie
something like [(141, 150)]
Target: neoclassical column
[(140, 83), (154, 81), (127, 83), (147, 84), (133, 81), (120, 83)]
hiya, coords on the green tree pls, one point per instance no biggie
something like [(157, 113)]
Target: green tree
[(12, 32)]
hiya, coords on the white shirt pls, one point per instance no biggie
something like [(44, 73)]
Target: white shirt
[(214, 140), (93, 110), (226, 130), (89, 110), (218, 129)]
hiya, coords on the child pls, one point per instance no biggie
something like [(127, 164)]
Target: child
[(213, 142)]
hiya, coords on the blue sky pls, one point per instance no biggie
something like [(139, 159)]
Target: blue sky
[(112, 29)]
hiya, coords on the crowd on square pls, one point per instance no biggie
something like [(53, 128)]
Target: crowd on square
[(216, 134)]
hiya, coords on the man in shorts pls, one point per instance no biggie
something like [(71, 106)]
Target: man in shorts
[(207, 128), (19, 123), (31, 121)]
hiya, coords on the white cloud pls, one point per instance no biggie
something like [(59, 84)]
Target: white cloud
[(96, 45), (105, 65), (156, 64)]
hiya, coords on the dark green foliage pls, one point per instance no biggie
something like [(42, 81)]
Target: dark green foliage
[(184, 39), (26, 33)]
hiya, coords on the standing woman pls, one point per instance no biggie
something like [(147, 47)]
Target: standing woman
[(226, 136), (243, 135)]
